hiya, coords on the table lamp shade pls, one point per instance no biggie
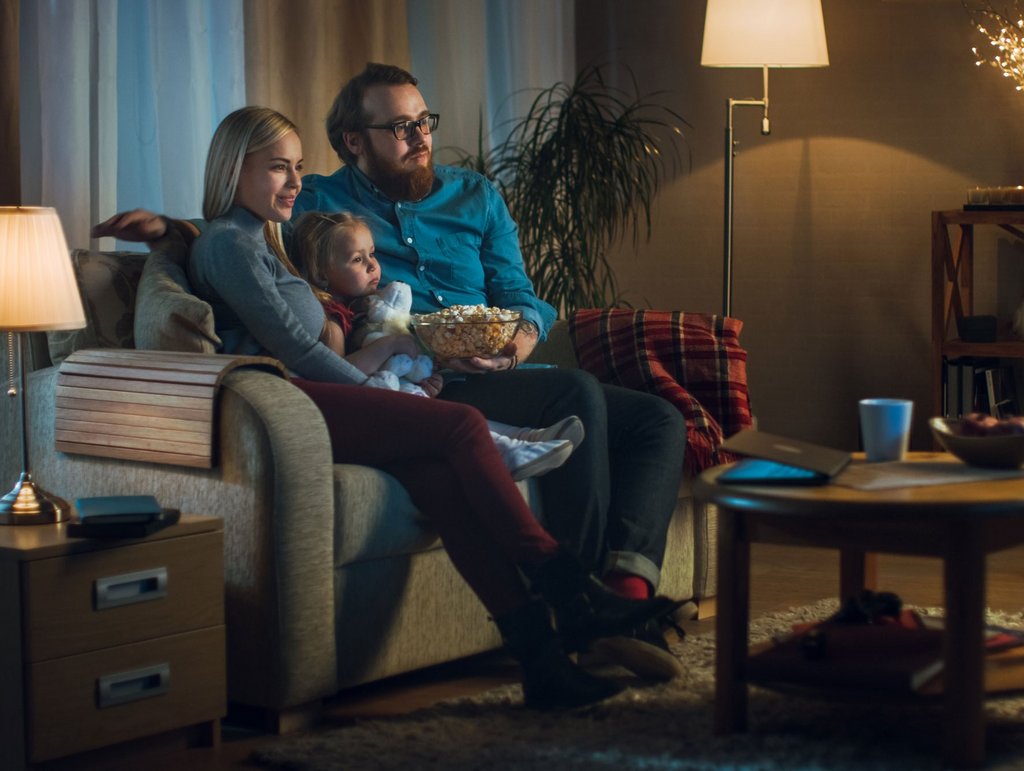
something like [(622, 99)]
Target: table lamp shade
[(764, 33), (38, 290)]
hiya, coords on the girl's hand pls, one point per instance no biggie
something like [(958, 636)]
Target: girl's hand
[(404, 344), (432, 385)]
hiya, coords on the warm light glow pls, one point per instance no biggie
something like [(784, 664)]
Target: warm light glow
[(759, 33), (38, 290), (1005, 36)]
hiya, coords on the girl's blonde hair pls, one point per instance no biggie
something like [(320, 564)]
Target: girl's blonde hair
[(312, 242), (244, 131)]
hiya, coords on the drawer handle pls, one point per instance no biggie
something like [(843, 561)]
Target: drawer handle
[(129, 588), (123, 687)]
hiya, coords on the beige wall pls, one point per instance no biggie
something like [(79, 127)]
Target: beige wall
[(832, 210)]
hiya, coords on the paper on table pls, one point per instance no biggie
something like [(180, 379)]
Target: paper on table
[(882, 476)]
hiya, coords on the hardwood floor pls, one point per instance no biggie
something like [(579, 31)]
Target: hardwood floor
[(781, 577)]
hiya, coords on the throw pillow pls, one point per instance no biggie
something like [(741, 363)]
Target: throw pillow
[(168, 317), (107, 282)]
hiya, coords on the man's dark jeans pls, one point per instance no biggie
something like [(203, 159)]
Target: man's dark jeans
[(613, 499)]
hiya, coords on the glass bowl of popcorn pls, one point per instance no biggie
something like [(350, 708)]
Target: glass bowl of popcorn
[(463, 331)]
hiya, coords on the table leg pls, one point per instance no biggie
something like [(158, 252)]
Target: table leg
[(731, 623), (858, 570), (964, 578)]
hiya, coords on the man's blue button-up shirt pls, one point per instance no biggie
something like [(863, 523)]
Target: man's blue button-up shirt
[(457, 246)]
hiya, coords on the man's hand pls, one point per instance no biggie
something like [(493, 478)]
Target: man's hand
[(134, 225), (478, 365)]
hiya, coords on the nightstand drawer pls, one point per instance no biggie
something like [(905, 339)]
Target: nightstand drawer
[(83, 602), (150, 687)]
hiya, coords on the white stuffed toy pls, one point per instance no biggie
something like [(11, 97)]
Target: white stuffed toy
[(388, 313)]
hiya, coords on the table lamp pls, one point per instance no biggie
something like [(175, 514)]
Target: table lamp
[(38, 292), (761, 34)]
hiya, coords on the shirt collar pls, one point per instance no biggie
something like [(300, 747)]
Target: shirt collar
[(366, 183)]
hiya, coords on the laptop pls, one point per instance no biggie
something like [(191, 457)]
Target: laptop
[(779, 460)]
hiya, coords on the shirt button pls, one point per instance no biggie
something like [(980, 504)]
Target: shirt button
[(440, 299), (422, 268), (408, 240), (398, 206)]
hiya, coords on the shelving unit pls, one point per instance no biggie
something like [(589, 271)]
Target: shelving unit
[(953, 289)]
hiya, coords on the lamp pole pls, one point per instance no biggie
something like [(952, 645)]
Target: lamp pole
[(27, 503), (730, 154)]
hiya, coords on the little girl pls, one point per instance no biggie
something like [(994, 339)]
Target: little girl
[(336, 253)]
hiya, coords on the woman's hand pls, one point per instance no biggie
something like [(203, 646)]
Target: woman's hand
[(134, 225)]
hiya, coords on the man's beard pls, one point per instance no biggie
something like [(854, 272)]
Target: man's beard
[(397, 183)]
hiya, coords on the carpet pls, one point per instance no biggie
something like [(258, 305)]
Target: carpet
[(657, 727)]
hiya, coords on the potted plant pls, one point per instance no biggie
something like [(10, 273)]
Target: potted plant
[(579, 172)]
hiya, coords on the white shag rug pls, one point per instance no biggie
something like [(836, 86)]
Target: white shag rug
[(660, 727)]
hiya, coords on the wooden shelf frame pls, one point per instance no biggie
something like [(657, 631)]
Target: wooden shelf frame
[(953, 288)]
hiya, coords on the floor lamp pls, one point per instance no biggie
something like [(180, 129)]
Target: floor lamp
[(38, 292), (759, 34)]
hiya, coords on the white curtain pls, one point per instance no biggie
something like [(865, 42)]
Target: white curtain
[(485, 61), (119, 99)]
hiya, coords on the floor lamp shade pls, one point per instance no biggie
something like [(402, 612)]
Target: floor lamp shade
[(764, 33), (38, 292)]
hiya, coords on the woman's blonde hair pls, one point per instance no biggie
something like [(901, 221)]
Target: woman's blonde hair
[(312, 243), (244, 131)]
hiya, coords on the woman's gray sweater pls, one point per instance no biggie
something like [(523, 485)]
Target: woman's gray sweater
[(258, 306)]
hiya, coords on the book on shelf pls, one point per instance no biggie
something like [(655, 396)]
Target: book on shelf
[(1003, 393), (973, 384)]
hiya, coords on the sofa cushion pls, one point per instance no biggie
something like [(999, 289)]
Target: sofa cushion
[(374, 517), (107, 282), (168, 317)]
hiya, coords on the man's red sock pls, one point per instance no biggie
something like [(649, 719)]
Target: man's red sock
[(628, 585)]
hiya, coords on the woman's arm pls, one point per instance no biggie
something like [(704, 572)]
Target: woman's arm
[(274, 307)]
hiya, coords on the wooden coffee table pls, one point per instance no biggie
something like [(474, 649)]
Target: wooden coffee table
[(960, 523)]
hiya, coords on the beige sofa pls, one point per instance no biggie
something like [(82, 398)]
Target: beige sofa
[(332, 579)]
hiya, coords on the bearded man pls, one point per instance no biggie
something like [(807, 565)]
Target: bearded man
[(447, 233)]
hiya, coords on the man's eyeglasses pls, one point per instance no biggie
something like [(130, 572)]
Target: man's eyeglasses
[(403, 129)]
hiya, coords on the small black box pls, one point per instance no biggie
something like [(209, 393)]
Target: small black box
[(977, 329)]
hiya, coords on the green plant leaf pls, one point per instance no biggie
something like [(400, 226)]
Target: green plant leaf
[(579, 172)]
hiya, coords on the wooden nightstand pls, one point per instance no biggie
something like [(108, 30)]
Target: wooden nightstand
[(102, 641)]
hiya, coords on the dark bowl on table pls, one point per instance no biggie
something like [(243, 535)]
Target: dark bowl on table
[(992, 451)]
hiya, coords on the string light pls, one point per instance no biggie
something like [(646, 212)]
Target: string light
[(1008, 42)]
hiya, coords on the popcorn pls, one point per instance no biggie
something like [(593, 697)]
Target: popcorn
[(462, 331)]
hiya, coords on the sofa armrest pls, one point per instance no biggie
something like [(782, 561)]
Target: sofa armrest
[(557, 348), (273, 487)]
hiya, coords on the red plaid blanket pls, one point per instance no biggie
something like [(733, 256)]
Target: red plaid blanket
[(692, 359)]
